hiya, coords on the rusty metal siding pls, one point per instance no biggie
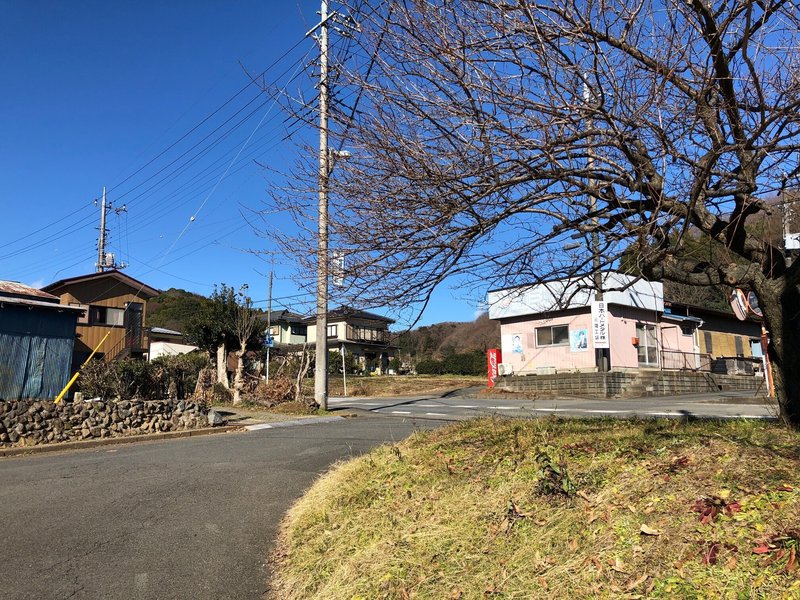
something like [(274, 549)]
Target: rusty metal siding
[(35, 351)]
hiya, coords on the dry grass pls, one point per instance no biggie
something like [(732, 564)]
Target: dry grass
[(400, 385), (554, 509)]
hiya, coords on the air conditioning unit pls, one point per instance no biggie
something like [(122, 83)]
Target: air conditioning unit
[(505, 369)]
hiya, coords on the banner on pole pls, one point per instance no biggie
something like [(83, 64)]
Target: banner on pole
[(600, 324)]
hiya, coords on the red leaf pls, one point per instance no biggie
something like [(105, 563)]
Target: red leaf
[(762, 548), (785, 488), (733, 507), (710, 555), (791, 565)]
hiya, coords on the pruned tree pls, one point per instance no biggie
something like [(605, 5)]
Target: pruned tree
[(246, 325), (486, 134)]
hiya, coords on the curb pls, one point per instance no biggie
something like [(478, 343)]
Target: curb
[(292, 423), (113, 441)]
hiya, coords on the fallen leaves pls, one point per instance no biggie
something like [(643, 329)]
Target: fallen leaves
[(710, 507)]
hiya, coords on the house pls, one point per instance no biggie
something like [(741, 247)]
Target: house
[(287, 329), (36, 342), (553, 327), (166, 342), (363, 335), (114, 303)]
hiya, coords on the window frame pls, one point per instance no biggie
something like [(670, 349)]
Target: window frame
[(552, 344)]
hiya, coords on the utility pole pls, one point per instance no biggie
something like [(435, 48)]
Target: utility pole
[(600, 354), (321, 355), (269, 322), (106, 261), (101, 242)]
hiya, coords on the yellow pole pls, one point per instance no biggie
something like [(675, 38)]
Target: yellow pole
[(78, 372)]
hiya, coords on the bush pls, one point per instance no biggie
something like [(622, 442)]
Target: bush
[(430, 366), (165, 377), (469, 363)]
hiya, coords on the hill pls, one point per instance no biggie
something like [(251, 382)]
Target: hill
[(174, 308), (441, 339)]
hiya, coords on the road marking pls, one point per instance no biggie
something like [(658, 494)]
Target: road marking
[(435, 414), (428, 405), (465, 406), (400, 412), (503, 407)]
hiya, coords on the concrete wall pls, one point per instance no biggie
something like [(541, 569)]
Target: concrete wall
[(630, 384)]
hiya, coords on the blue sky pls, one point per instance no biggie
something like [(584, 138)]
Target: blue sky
[(115, 94)]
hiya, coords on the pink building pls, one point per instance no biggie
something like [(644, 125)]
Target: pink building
[(555, 327)]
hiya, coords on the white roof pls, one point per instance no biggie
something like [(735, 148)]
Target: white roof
[(576, 292)]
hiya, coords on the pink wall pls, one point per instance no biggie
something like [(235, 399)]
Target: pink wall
[(561, 358), (622, 329)]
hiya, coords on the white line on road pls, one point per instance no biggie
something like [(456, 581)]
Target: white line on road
[(505, 407), (465, 406), (435, 414), (428, 405), (401, 412)]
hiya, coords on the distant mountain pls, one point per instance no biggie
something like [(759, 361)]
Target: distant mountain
[(174, 308), (439, 340)]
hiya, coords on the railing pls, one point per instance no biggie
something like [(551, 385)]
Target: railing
[(674, 360), (365, 334)]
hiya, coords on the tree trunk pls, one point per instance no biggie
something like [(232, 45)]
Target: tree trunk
[(780, 304), (222, 366), (238, 380)]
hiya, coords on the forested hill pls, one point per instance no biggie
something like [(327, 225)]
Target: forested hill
[(441, 339), (173, 309)]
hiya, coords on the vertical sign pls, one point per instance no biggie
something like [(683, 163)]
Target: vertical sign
[(493, 358), (600, 324)]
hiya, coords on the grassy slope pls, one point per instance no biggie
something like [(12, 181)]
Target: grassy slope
[(475, 511)]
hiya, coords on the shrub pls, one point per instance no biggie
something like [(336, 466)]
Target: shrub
[(165, 377)]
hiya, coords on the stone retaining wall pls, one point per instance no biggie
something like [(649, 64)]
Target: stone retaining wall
[(31, 422)]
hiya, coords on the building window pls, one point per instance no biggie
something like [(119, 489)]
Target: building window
[(105, 315), (556, 335), (300, 330), (83, 318), (333, 331), (647, 350)]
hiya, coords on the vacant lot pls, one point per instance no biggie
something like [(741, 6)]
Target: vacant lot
[(399, 385), (544, 509)]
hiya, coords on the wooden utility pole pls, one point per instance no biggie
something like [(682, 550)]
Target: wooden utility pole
[(269, 322), (321, 354)]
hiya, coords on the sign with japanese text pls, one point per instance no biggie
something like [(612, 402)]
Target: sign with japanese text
[(600, 324)]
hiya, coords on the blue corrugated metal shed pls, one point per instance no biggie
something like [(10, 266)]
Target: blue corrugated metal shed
[(36, 339)]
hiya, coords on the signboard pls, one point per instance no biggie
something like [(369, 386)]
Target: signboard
[(600, 324), (493, 358)]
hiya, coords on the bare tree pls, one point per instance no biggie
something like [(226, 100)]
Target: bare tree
[(486, 134), (246, 324)]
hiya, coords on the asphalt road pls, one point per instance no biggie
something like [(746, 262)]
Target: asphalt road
[(464, 404), (186, 518)]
